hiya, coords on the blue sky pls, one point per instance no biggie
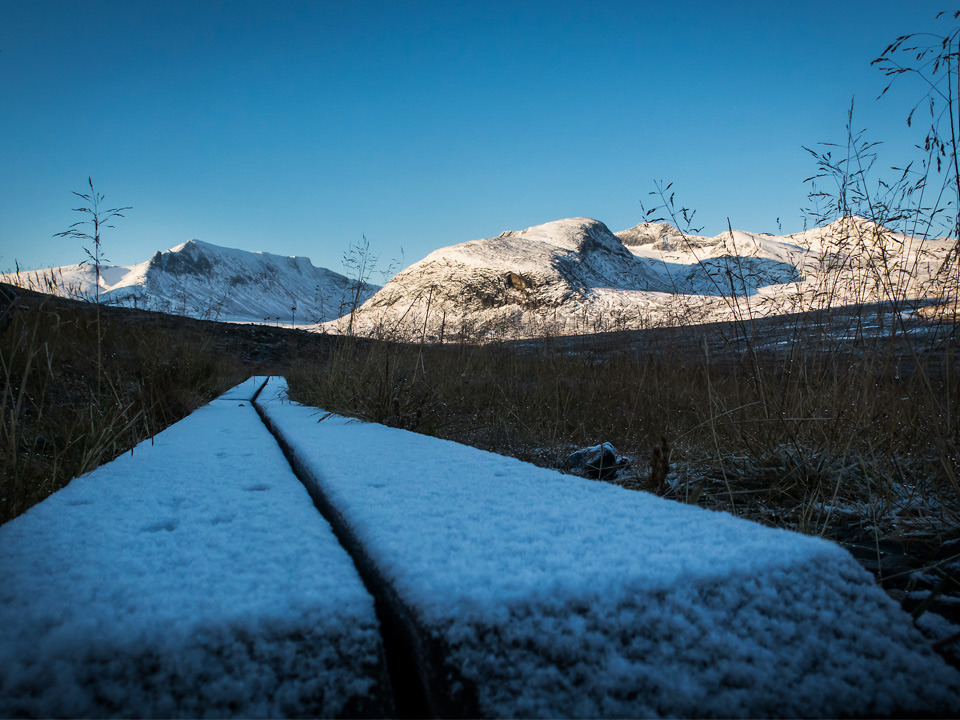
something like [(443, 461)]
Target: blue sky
[(297, 127)]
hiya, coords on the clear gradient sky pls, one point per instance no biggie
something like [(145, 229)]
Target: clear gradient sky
[(296, 127)]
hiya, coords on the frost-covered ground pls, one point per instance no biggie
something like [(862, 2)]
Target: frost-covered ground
[(193, 577), (536, 593)]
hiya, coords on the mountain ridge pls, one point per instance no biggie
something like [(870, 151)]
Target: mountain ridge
[(575, 276), (564, 277), (207, 281)]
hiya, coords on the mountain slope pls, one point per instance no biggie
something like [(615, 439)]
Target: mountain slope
[(208, 281), (574, 276), (496, 284)]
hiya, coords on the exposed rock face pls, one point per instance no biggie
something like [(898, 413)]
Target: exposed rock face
[(518, 282), (660, 236), (191, 260)]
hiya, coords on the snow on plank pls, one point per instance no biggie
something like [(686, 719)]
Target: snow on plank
[(532, 593), (246, 390), (191, 578)]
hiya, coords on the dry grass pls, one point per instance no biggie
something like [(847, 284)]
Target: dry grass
[(64, 412), (795, 437)]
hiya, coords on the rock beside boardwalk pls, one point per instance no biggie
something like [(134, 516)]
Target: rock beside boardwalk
[(600, 462)]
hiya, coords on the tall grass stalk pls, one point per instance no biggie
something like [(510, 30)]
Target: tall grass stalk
[(97, 218)]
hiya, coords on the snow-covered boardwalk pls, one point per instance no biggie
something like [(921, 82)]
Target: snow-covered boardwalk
[(193, 577), (196, 577), (521, 591)]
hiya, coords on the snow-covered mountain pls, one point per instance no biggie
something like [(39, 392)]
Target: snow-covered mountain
[(576, 276), (208, 281), (561, 278)]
